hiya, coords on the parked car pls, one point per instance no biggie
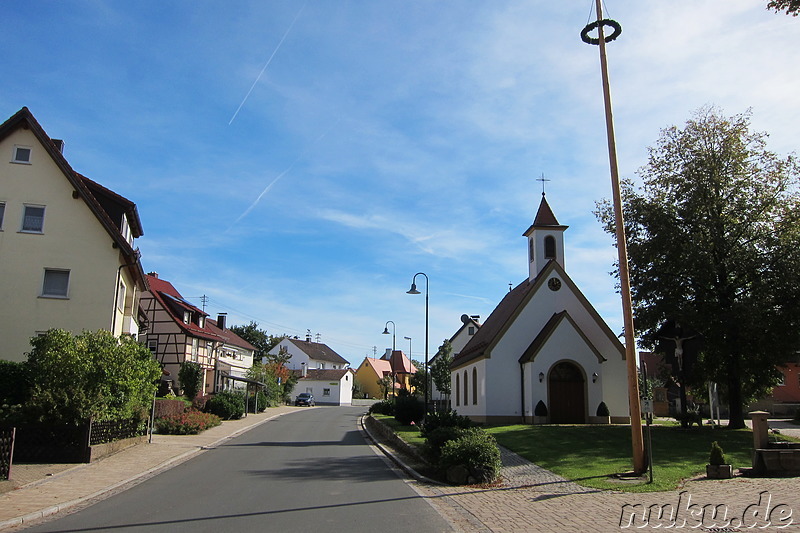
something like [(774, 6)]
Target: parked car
[(304, 398)]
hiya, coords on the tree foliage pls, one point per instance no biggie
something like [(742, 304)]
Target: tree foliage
[(440, 369), (91, 375), (262, 341), (714, 244), (792, 7), (417, 380)]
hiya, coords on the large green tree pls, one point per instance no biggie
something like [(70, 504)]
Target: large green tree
[(713, 239)]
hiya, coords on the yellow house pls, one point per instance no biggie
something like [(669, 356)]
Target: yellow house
[(394, 364), (67, 256)]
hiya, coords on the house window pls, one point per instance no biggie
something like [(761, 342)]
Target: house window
[(201, 321), (458, 391), (471, 330), (474, 386), (56, 283), (152, 345), (195, 348), (121, 296), (2, 213), (187, 317), (549, 247), (33, 219), (22, 154), (326, 392)]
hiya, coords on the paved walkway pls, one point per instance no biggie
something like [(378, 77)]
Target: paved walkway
[(528, 499)]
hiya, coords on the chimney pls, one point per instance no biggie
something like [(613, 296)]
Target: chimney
[(153, 274), (59, 144), (304, 371), (388, 354), (308, 335), (221, 320)]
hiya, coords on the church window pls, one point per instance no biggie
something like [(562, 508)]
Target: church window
[(549, 247), (530, 249), (466, 389), (474, 386), (458, 391)]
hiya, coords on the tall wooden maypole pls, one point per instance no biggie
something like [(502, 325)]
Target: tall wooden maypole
[(639, 461)]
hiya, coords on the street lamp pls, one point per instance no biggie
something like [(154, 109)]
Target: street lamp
[(409, 346), (413, 290), (394, 330)]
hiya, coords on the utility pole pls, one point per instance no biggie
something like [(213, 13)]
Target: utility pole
[(637, 439)]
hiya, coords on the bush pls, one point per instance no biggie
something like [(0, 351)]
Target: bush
[(602, 410), (471, 458), (717, 456), (383, 407), (191, 377), (408, 409), (540, 409), (449, 419), (227, 405), (437, 438), (261, 401), (188, 423), (165, 407)]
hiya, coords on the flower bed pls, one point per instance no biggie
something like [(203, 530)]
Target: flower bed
[(188, 423)]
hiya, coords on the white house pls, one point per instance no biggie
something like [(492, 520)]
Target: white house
[(67, 252), (329, 387), (309, 354), (544, 342), (234, 355)]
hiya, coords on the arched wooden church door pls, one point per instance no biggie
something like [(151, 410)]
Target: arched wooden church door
[(567, 394)]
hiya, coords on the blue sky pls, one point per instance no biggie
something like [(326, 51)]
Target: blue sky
[(298, 162)]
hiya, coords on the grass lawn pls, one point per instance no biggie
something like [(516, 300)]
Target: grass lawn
[(590, 454), (410, 434)]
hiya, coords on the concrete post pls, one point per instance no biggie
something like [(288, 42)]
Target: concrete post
[(760, 432)]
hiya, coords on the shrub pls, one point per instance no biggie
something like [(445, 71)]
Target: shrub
[(383, 407), (445, 419), (408, 409), (227, 405), (169, 407), (540, 409), (436, 438), (188, 423), (717, 456), (471, 458), (191, 377), (261, 401), (602, 410)]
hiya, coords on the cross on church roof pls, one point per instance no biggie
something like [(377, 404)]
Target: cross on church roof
[(543, 180)]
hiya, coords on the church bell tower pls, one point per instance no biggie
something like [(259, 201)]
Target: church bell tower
[(545, 240)]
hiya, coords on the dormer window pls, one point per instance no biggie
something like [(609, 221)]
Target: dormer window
[(201, 321), (549, 247), (187, 317), (22, 154)]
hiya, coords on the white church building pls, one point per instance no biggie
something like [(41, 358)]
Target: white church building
[(544, 342)]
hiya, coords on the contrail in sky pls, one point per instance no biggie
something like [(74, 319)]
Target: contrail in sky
[(282, 174), (267, 63)]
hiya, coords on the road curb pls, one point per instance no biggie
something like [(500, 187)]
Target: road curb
[(396, 459)]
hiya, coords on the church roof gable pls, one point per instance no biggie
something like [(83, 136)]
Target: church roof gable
[(549, 329)]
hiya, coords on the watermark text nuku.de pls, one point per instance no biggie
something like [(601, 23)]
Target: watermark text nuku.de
[(685, 514)]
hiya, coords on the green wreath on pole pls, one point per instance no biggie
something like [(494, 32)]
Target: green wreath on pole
[(596, 24)]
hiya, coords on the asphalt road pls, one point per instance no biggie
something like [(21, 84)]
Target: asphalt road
[(308, 471)]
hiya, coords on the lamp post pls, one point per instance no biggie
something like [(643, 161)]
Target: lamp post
[(413, 290), (394, 330), (409, 347)]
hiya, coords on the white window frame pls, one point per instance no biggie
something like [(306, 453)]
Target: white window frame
[(195, 348), (58, 295), (152, 345), (15, 154), (187, 317), (24, 216), (121, 291)]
